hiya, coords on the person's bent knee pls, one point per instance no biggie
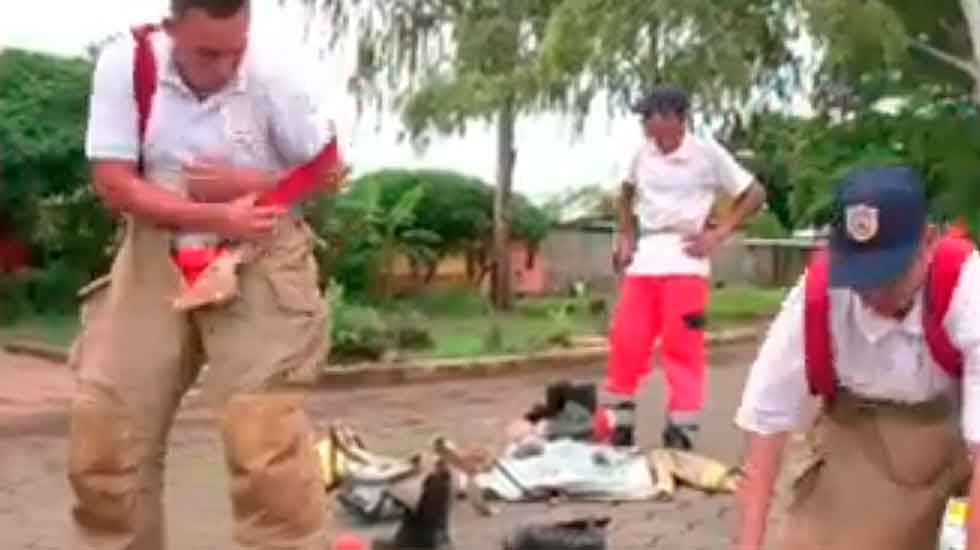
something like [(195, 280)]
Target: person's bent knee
[(277, 494), (103, 468)]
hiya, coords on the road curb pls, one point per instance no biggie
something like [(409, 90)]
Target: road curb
[(391, 373), (36, 349), (400, 372)]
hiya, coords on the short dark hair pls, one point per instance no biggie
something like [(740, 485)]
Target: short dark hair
[(214, 8), (663, 100)]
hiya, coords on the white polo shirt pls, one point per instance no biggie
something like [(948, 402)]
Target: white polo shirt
[(674, 196), (875, 357), (271, 116)]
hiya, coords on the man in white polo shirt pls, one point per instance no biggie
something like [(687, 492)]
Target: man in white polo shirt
[(664, 247), (883, 329), (228, 118)]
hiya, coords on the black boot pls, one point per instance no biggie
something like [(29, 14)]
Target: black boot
[(681, 437), (427, 526), (625, 424), (583, 534)]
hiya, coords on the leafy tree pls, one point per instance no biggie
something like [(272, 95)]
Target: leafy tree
[(921, 56), (43, 106), (812, 156), (589, 200), (395, 235), (44, 192), (881, 48), (361, 236), (724, 52), (447, 64), (456, 208)]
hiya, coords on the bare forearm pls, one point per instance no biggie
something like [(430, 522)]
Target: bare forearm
[(627, 222), (765, 456), (747, 204), (223, 183), (123, 191), (973, 506)]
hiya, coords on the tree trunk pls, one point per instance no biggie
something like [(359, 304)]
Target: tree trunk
[(387, 269), (971, 12), (501, 276)]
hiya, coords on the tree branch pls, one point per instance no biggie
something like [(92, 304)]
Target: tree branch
[(960, 63), (971, 12)]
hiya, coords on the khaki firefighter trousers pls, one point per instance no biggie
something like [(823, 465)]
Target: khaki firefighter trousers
[(137, 356), (878, 477)]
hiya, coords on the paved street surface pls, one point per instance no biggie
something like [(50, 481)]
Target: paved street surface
[(35, 498)]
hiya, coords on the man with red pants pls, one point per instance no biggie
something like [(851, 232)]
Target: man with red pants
[(664, 246)]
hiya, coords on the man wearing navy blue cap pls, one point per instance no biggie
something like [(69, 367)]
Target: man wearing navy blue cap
[(884, 331)]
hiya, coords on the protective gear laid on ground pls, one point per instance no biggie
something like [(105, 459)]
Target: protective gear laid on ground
[(573, 422), (345, 458), (467, 463), (680, 436), (705, 474), (581, 534), (615, 424), (426, 524), (371, 503), (953, 533), (567, 411), (365, 479), (574, 469)]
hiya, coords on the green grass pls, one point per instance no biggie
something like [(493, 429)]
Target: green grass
[(461, 324), (58, 330), (736, 305)]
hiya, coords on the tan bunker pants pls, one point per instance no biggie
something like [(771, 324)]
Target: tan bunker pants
[(879, 477), (136, 357)]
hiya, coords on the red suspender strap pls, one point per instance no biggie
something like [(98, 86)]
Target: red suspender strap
[(305, 180), (818, 350), (144, 78), (299, 183), (944, 275)]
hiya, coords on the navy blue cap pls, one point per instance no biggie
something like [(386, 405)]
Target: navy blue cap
[(881, 219), (667, 99)]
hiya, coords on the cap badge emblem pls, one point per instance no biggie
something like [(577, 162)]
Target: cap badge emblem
[(861, 222)]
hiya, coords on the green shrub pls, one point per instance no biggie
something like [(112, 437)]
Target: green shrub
[(766, 225), (409, 331), (361, 333), (15, 303)]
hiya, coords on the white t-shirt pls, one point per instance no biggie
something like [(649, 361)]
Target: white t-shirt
[(271, 116), (674, 196), (876, 357)]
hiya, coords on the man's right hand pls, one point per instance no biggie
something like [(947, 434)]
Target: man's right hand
[(243, 219), (623, 252)]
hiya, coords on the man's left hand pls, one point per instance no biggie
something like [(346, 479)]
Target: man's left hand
[(215, 181), (336, 179), (703, 244)]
